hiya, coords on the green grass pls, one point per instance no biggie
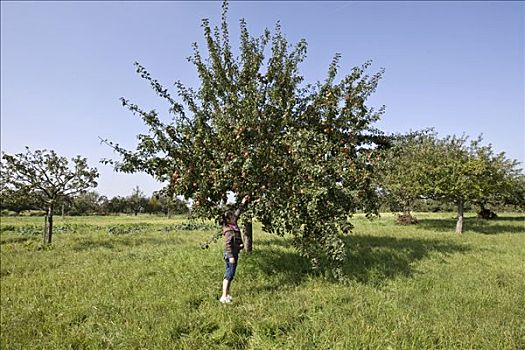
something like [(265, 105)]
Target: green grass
[(417, 287)]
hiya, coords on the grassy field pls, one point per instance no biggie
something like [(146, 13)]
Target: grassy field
[(145, 283)]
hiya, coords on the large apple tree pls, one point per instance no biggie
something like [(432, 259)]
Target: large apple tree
[(253, 126)]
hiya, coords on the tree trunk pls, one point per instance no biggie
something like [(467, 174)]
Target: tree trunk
[(44, 231), (406, 208), (248, 235), (49, 226), (169, 213), (459, 224)]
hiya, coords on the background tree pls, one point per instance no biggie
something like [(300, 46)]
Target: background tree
[(499, 179), (515, 194), (153, 206), (116, 205), (103, 205), (452, 170), (87, 203), (47, 178), (253, 127), (169, 204), (463, 171), (137, 201), (15, 201), (399, 172)]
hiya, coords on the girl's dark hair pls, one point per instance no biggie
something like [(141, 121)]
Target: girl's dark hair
[(223, 220)]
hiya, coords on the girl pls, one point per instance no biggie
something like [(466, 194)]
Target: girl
[(232, 245)]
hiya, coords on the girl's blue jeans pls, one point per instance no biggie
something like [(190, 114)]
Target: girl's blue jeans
[(230, 268)]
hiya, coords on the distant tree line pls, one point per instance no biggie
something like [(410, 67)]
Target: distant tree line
[(93, 203)]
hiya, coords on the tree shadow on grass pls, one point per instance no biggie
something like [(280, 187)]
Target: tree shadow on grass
[(371, 260), (374, 260), (277, 241), (488, 227), (511, 218), (285, 267)]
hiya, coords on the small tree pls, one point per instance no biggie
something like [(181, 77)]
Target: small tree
[(87, 203), (499, 179), (47, 178), (137, 201), (452, 170), (515, 195), (115, 205), (399, 173), (468, 171), (15, 201), (169, 203)]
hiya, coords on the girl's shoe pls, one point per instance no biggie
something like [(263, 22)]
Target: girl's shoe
[(225, 300), (229, 297)]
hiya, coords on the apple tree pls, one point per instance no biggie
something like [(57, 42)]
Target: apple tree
[(253, 126), (501, 179), (399, 172), (47, 179), (451, 169)]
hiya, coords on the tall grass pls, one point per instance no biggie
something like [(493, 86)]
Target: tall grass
[(409, 287)]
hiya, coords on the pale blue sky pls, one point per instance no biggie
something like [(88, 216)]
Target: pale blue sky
[(455, 66)]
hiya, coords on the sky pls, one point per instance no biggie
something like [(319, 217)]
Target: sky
[(458, 67)]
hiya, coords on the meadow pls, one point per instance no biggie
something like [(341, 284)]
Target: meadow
[(144, 282)]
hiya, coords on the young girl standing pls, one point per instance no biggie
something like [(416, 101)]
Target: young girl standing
[(232, 245)]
